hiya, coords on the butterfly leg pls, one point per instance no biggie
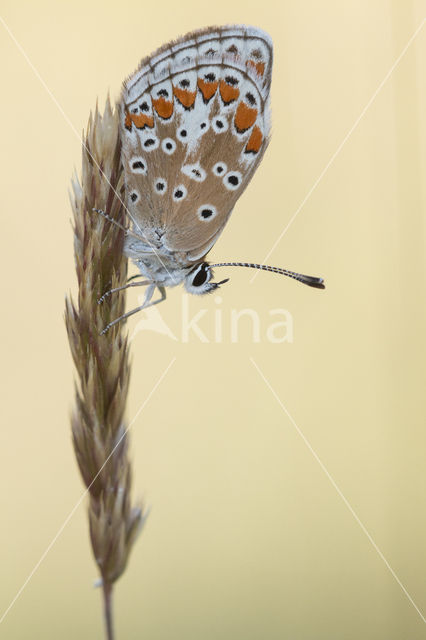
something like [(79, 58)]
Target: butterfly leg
[(102, 213), (126, 230), (137, 275), (146, 303), (162, 291), (126, 286)]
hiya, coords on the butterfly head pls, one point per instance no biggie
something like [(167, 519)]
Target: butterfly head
[(198, 280)]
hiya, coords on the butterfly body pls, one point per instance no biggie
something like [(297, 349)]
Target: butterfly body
[(156, 262)]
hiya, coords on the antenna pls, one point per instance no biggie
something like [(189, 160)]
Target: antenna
[(311, 281)]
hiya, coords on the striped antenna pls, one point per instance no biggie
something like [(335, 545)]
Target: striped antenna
[(311, 281)]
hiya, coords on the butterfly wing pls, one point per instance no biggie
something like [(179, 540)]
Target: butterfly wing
[(195, 125)]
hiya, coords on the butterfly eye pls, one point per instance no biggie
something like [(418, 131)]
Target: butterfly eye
[(201, 276), (198, 280)]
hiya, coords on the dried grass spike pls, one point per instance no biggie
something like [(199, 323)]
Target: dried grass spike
[(102, 361)]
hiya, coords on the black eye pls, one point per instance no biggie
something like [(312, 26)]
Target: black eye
[(200, 277)]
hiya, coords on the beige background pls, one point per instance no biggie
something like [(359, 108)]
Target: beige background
[(247, 537)]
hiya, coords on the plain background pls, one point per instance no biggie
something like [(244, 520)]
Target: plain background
[(247, 537)]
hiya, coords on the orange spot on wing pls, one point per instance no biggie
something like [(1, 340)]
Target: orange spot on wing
[(163, 107), (259, 67), (228, 92), (255, 141), (245, 117), (128, 121), (186, 98), (208, 89), (139, 120)]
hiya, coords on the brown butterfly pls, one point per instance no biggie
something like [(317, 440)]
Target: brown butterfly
[(195, 123)]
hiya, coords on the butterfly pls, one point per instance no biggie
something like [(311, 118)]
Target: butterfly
[(194, 125)]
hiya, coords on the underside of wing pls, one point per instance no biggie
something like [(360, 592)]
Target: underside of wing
[(195, 124)]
